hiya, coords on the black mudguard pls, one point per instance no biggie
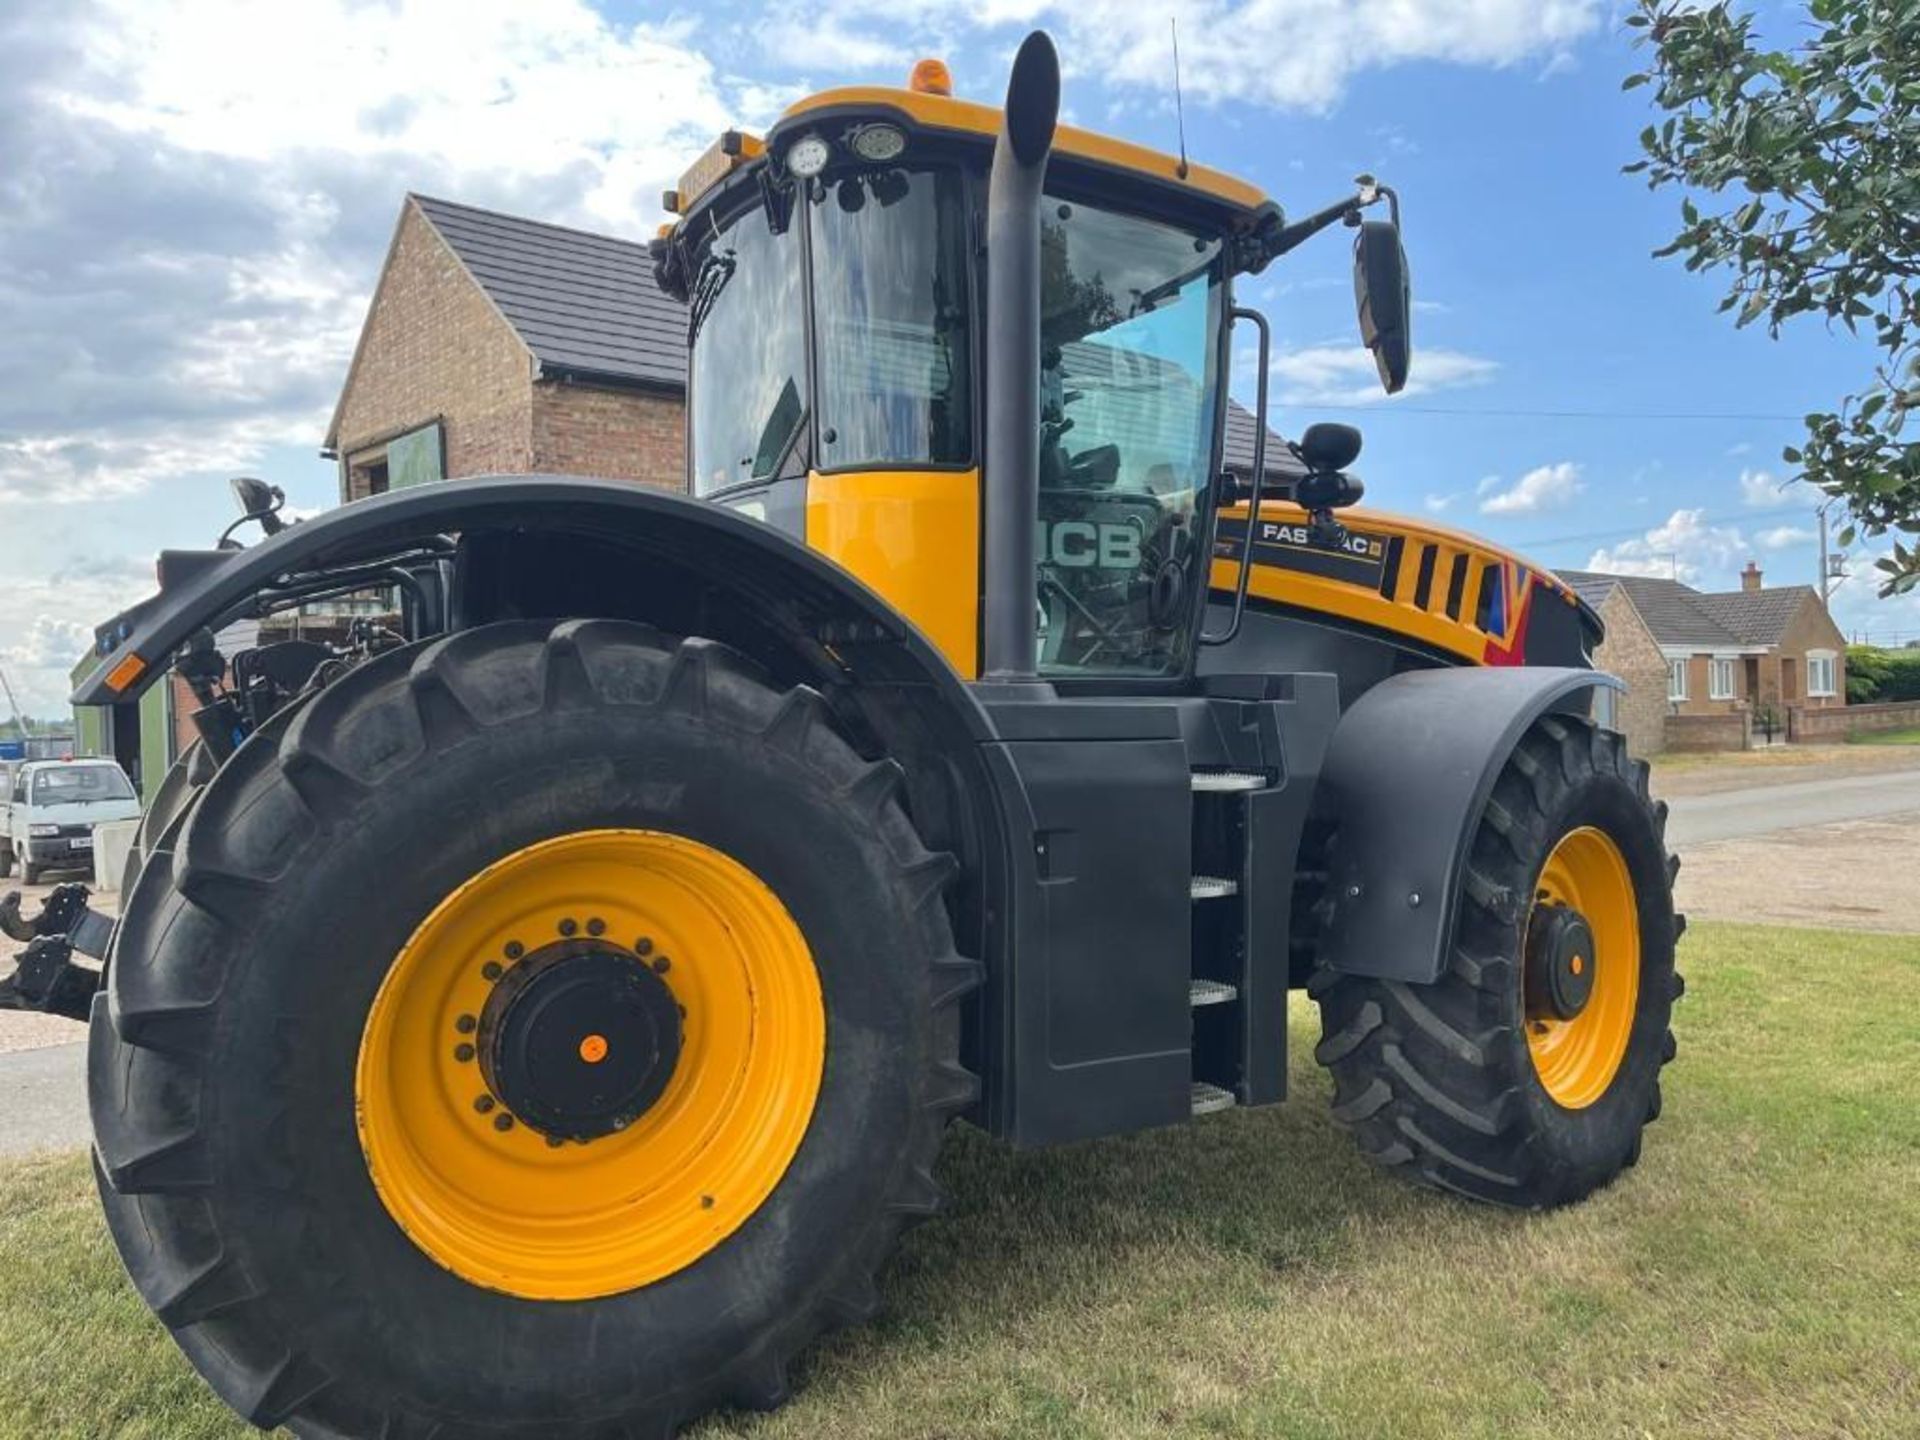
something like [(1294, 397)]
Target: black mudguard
[(788, 586), (1406, 776)]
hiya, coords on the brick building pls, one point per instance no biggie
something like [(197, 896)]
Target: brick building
[(499, 344), (1752, 652), (496, 344), (1631, 652)]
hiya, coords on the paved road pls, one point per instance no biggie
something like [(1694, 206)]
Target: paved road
[(43, 1099), (1796, 804), (43, 1092)]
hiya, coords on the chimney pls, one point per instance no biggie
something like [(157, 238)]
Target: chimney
[(1750, 577)]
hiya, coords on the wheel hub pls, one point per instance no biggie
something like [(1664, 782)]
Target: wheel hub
[(579, 1039), (1560, 962)]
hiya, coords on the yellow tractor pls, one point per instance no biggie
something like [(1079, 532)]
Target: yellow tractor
[(540, 1017)]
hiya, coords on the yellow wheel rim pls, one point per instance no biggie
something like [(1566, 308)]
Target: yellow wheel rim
[(1576, 1058), (499, 1202)]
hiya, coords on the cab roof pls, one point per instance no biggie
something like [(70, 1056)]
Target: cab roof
[(1175, 184)]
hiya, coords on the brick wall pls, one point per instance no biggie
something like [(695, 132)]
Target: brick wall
[(1837, 722), (1631, 652), (1731, 730), (617, 434), (1699, 699), (1812, 629), (435, 347)]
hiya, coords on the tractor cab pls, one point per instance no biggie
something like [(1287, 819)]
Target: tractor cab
[(844, 350)]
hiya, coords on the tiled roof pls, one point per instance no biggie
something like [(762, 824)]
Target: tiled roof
[(1758, 617), (584, 304), (587, 305), (1672, 611), (1237, 446)]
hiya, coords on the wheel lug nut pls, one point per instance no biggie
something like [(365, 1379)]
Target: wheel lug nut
[(596, 926), (503, 1122), (463, 1052), (643, 946), (466, 1024), (568, 926), (484, 1103), (491, 970), (662, 965), (554, 1142), (515, 949)]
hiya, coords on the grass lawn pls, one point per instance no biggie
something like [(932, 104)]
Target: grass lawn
[(1886, 737), (1758, 1275)]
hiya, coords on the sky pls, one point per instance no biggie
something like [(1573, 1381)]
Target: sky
[(197, 196)]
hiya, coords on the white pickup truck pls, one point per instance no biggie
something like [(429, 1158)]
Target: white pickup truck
[(49, 809)]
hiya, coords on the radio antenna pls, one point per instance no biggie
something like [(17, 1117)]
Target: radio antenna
[(1179, 107)]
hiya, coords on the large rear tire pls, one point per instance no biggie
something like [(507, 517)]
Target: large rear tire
[(1490, 1082), (271, 1151)]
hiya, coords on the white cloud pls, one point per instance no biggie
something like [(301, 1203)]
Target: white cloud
[(1346, 374), (1546, 487), (41, 641), (199, 192), (1684, 548), (1287, 54), (1781, 537), (1761, 490), (1437, 503)]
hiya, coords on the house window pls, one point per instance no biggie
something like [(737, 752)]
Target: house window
[(1676, 679), (1819, 673), (1720, 678)]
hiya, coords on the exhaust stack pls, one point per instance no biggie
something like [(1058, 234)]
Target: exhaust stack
[(1011, 346)]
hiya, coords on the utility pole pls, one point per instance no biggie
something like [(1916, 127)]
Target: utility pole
[(1822, 512), (18, 719)]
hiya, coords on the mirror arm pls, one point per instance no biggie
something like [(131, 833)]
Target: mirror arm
[(1347, 211), (1234, 316)]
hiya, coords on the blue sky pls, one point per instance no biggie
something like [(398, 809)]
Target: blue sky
[(201, 200)]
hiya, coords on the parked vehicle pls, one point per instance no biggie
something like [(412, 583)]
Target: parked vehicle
[(50, 809), (540, 1018)]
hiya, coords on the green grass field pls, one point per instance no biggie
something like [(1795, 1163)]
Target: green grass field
[(1758, 1275), (1885, 737)]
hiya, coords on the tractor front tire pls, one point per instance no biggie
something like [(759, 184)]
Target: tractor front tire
[(1490, 1082), (353, 1223)]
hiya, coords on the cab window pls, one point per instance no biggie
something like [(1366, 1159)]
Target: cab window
[(747, 390), (890, 311), (1130, 393)]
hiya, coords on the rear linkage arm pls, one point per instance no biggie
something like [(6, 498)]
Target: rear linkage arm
[(47, 979)]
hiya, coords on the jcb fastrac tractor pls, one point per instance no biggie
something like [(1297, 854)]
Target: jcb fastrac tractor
[(541, 1017)]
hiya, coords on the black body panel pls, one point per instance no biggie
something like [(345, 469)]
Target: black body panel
[(1406, 776), (1088, 1029)]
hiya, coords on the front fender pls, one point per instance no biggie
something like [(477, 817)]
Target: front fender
[(788, 586), (1406, 776)]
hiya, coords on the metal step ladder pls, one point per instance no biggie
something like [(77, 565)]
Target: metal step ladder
[(1219, 858)]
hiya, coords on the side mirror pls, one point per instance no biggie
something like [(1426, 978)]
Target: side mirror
[(1382, 293), (259, 501)]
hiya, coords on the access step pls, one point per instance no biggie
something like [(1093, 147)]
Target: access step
[(1209, 1098), (1228, 781), (1213, 887), (1209, 992)]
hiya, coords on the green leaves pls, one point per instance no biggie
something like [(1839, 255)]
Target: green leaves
[(1821, 143)]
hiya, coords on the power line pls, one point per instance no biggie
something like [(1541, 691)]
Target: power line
[(1643, 529), (1390, 408)]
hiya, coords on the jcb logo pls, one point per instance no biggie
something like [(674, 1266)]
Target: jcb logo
[(1083, 545)]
